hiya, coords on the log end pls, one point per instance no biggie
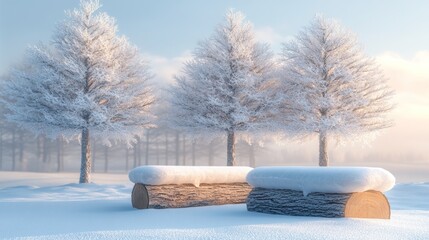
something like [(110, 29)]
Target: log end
[(369, 204), (140, 196)]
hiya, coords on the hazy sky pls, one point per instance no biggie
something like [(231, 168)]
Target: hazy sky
[(395, 33), (170, 28)]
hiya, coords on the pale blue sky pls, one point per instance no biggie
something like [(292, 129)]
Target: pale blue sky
[(169, 28)]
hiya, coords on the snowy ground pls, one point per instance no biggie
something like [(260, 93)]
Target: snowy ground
[(47, 206)]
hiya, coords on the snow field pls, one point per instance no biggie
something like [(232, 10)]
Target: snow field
[(103, 210), (158, 175)]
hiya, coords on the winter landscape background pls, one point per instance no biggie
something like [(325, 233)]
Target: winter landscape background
[(39, 194), (166, 32)]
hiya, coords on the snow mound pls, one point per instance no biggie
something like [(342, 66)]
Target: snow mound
[(322, 179), (158, 175)]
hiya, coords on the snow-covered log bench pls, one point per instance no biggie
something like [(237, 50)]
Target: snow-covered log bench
[(188, 186), (355, 192)]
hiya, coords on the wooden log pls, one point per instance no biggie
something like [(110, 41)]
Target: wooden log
[(369, 204), (140, 196), (187, 195)]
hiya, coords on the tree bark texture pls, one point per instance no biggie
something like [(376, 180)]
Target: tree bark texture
[(231, 149), (323, 149), (369, 204), (187, 195), (85, 167)]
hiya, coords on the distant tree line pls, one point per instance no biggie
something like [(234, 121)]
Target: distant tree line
[(21, 150)]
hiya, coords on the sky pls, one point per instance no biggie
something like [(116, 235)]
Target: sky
[(395, 33)]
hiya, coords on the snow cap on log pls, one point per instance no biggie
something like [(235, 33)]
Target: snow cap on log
[(159, 175), (322, 179)]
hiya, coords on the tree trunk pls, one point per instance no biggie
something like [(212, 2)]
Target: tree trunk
[(211, 153), (45, 147), (49, 155), (177, 152), (38, 151), (323, 149), (59, 154), (139, 152), (231, 149), (184, 150), (106, 159), (21, 147), (85, 167), (146, 159), (252, 159), (369, 204), (127, 159), (157, 152), (166, 148), (193, 152), (135, 155), (187, 195), (13, 150), (62, 155), (94, 152)]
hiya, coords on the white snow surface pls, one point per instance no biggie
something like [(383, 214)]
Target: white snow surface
[(46, 206), (322, 179), (158, 175)]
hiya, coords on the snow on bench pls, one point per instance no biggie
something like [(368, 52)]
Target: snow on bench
[(320, 191), (322, 179), (187, 186), (161, 175)]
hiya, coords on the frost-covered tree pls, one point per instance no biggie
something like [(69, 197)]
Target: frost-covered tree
[(226, 87), (332, 88), (88, 80)]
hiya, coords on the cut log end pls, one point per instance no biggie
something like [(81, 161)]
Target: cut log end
[(140, 197), (369, 204)]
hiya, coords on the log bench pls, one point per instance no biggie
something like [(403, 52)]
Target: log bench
[(320, 191), (188, 186)]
